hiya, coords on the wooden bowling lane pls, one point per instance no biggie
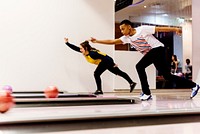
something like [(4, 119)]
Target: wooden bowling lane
[(167, 107), (143, 125), (163, 104), (60, 113)]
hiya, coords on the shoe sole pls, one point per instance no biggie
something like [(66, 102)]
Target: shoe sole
[(98, 93), (150, 98)]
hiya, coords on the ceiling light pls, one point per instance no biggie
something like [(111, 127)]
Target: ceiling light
[(165, 15), (181, 19)]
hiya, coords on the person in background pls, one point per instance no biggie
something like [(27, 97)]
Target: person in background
[(174, 64), (103, 62), (142, 39), (188, 68)]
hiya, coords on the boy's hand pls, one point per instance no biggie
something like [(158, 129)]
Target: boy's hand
[(93, 40)]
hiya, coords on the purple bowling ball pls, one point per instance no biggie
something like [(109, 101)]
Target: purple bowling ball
[(8, 88)]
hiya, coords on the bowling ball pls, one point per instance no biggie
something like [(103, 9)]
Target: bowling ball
[(51, 92), (6, 101), (8, 88)]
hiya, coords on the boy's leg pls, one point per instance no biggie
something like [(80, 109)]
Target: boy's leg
[(161, 65), (141, 66)]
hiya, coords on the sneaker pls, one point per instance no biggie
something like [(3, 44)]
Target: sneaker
[(132, 86), (97, 92), (141, 94), (145, 97), (194, 91)]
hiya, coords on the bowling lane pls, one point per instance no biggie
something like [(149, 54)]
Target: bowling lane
[(64, 113), (166, 107), (68, 113)]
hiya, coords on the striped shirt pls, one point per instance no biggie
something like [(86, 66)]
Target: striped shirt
[(141, 45), (143, 40)]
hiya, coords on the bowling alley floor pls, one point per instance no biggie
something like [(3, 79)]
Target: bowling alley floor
[(170, 111)]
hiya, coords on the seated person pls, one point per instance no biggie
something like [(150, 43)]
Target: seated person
[(188, 68)]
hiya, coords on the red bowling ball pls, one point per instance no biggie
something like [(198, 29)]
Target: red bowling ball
[(6, 101), (51, 92)]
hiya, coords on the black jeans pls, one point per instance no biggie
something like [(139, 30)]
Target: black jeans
[(108, 63), (157, 57)]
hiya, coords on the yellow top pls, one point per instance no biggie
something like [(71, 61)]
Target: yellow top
[(97, 54)]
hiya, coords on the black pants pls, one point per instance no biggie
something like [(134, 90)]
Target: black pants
[(157, 57), (108, 63)]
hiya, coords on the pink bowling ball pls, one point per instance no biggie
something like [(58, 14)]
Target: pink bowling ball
[(8, 88)]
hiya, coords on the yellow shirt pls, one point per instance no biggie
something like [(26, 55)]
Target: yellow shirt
[(97, 55)]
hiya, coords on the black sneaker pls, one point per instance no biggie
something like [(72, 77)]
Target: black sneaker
[(132, 86), (97, 92)]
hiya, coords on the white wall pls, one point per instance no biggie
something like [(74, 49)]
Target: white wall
[(195, 40), (187, 43), (32, 50), (126, 60)]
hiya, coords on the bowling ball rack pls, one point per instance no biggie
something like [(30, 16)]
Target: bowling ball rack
[(60, 95), (79, 100)]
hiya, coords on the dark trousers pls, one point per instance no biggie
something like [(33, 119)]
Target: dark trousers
[(157, 57), (109, 64)]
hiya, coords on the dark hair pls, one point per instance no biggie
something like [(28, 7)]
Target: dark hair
[(127, 22), (175, 57), (87, 46), (188, 61)]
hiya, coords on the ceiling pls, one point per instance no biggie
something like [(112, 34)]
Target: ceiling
[(169, 9)]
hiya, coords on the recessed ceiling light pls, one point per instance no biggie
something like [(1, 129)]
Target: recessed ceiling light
[(165, 15)]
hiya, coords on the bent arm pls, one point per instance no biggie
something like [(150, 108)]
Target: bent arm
[(108, 42)]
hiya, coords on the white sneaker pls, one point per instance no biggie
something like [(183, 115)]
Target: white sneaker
[(145, 97), (194, 91)]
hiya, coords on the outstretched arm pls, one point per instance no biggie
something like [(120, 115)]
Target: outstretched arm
[(108, 42), (169, 29), (75, 48)]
